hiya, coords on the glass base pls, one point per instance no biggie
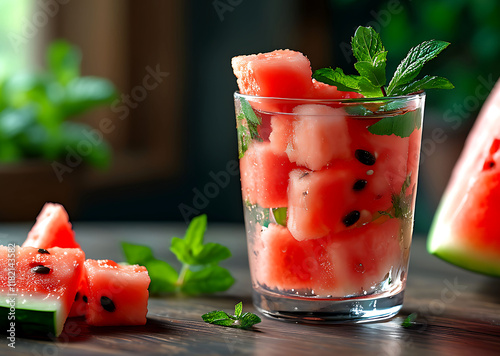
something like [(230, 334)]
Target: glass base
[(328, 310)]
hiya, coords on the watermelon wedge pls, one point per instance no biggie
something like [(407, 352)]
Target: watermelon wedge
[(52, 229), (44, 283), (465, 231)]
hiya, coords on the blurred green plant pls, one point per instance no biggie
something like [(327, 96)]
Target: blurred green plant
[(35, 108)]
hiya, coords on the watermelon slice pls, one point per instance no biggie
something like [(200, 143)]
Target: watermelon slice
[(52, 229), (44, 282), (117, 295), (464, 231)]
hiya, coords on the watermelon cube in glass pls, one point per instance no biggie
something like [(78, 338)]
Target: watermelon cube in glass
[(328, 194)]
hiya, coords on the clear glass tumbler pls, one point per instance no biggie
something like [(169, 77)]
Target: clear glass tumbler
[(329, 192)]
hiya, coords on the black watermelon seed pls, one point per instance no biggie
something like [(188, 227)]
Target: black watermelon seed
[(77, 296), (351, 218), (305, 174), (359, 185), (108, 304), (365, 157), (42, 250), (85, 299), (41, 269)]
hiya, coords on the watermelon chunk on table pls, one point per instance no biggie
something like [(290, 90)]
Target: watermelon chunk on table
[(117, 294), (52, 229), (46, 281)]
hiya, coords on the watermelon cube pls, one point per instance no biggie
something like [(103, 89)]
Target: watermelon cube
[(44, 282), (52, 229), (281, 73), (286, 264), (281, 132), (117, 295), (318, 201), (364, 257), (320, 135), (264, 176)]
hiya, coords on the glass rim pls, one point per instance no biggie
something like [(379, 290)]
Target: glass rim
[(419, 94)]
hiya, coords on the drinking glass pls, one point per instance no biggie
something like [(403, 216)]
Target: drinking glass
[(329, 192)]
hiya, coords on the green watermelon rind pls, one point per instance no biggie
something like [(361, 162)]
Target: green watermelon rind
[(33, 316), (440, 243)]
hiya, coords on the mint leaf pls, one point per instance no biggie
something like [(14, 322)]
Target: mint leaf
[(336, 77), (210, 279), (137, 254), (427, 82), (238, 309), (280, 215), (409, 320), (218, 318), (163, 276), (237, 320), (244, 137), (411, 65), (196, 231), (181, 250), (371, 55), (248, 320), (399, 125), (212, 253), (247, 122)]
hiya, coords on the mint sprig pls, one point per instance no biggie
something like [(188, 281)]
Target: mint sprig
[(371, 58), (238, 320), (200, 272)]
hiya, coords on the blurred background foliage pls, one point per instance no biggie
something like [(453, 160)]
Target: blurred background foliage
[(170, 142)]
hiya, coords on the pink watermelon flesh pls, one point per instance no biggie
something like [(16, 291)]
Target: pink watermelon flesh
[(318, 201), (51, 290), (348, 263), (281, 132), (118, 295), (319, 136), (264, 176), (281, 73), (52, 229), (465, 231), (79, 307)]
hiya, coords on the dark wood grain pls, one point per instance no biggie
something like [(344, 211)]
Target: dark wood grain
[(458, 311)]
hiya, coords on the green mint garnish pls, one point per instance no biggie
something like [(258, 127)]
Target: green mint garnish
[(399, 125), (280, 215), (238, 320), (409, 320), (247, 122), (401, 203), (200, 272), (371, 57)]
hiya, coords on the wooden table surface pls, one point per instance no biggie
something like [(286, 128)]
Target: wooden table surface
[(458, 311)]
